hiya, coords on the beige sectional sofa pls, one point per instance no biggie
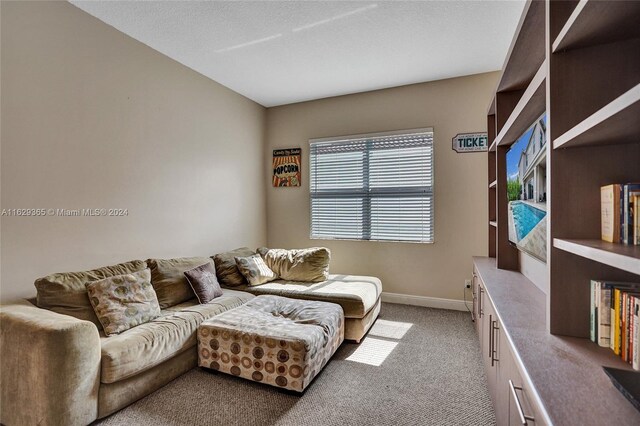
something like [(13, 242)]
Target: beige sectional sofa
[(59, 369), (359, 297)]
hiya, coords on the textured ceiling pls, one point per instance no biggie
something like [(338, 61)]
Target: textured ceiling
[(283, 52)]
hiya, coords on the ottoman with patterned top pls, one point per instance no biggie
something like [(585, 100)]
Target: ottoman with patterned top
[(271, 339)]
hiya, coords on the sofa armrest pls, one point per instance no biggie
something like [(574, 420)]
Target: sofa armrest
[(50, 369)]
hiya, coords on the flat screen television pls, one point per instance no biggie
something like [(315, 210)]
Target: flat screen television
[(527, 190)]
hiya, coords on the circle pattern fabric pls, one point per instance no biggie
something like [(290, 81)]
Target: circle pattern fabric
[(274, 340)]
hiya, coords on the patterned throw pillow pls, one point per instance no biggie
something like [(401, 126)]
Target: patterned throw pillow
[(255, 270), (203, 282), (124, 301), (226, 268)]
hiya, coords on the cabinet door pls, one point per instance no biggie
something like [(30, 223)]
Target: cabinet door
[(474, 298), (507, 371), (518, 402), (480, 301), (489, 318)]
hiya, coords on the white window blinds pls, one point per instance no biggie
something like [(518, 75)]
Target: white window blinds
[(377, 187)]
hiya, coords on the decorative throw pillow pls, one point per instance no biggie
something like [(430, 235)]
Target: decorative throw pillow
[(124, 301), (255, 270), (226, 268), (307, 265), (168, 280), (203, 282), (66, 292)]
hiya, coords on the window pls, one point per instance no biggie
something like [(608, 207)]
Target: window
[(373, 187)]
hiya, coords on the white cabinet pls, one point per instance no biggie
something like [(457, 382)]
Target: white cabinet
[(511, 396)]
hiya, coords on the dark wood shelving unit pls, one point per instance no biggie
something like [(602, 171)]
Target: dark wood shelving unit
[(594, 105), (615, 123), (530, 106), (598, 22), (577, 61), (623, 257)]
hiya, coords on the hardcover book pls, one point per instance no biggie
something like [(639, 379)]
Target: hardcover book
[(603, 331), (610, 212), (630, 190), (636, 219)]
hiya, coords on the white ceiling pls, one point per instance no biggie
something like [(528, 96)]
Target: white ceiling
[(290, 51)]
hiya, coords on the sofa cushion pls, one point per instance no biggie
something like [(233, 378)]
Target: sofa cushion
[(203, 282), (226, 268), (254, 270), (124, 301), (306, 265), (356, 294), (167, 278), (148, 345), (66, 293)]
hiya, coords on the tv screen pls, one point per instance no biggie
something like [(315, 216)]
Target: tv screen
[(527, 190)]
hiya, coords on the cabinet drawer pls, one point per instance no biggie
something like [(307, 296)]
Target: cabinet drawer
[(519, 401)]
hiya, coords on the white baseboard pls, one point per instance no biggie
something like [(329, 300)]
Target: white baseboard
[(428, 302)]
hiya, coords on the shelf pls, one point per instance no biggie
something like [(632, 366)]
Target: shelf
[(531, 106), (493, 184), (615, 123), (492, 147), (527, 49), (596, 22), (493, 223), (626, 258)]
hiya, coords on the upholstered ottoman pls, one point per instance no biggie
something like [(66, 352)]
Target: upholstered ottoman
[(271, 339)]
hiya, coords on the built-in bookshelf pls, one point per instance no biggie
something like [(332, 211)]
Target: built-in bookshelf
[(593, 108), (577, 61)]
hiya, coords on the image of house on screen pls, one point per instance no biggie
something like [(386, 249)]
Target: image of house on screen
[(532, 167), (526, 190)]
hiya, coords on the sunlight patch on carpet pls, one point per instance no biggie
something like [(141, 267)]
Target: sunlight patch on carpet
[(390, 329), (372, 351)]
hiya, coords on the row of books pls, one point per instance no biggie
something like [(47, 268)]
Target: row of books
[(620, 224), (615, 318)]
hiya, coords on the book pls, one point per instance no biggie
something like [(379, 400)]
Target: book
[(616, 313), (632, 326), (603, 331), (627, 327), (629, 191), (627, 382), (610, 212), (592, 310), (635, 364), (623, 325), (636, 219)]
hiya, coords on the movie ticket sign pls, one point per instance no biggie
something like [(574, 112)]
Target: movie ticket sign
[(286, 167), (470, 142)]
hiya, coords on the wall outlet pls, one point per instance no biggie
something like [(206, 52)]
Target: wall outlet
[(467, 283)]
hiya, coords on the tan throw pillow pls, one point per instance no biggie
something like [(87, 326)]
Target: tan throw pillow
[(226, 268), (66, 293), (255, 270), (124, 301), (168, 280), (203, 282), (307, 265)]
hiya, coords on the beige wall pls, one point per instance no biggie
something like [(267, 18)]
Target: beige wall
[(94, 119), (449, 106)]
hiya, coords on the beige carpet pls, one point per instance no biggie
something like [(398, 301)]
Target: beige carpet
[(417, 366)]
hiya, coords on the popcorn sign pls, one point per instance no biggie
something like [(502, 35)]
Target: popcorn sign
[(286, 167)]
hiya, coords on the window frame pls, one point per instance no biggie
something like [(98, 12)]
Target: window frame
[(360, 137)]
